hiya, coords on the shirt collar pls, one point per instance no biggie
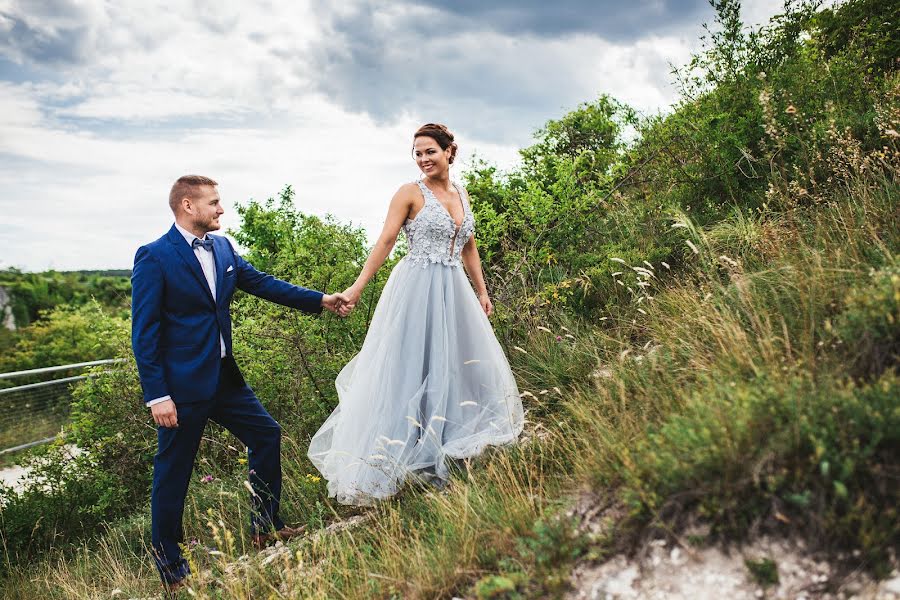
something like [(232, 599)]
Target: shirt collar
[(188, 236)]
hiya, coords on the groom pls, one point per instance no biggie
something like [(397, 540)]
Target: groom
[(182, 286)]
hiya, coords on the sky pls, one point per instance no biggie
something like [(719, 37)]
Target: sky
[(104, 104)]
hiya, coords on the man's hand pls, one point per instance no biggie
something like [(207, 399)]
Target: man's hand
[(164, 414), (336, 303)]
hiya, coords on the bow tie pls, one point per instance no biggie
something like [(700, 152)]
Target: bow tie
[(198, 243)]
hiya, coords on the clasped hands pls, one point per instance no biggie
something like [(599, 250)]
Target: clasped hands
[(341, 303)]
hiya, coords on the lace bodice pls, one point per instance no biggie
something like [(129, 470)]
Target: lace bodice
[(433, 230)]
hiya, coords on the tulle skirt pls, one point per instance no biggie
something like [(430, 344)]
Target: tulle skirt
[(430, 382)]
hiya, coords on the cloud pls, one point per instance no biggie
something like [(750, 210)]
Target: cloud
[(103, 105), (493, 69), (50, 32), (610, 19)]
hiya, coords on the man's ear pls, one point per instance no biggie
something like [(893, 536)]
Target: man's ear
[(186, 205)]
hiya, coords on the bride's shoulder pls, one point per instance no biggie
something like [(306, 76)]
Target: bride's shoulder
[(408, 191), (408, 195)]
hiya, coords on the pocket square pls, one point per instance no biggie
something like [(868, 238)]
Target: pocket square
[(229, 269)]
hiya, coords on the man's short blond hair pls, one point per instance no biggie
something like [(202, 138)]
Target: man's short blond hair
[(187, 186)]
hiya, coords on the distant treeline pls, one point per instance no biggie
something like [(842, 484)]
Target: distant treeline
[(32, 293)]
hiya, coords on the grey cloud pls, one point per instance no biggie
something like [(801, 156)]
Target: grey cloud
[(611, 20), (48, 32), (499, 64)]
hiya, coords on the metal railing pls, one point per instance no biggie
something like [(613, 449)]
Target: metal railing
[(34, 413)]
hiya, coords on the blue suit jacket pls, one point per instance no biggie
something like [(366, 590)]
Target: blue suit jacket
[(175, 323)]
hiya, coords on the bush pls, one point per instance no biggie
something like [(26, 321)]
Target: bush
[(869, 327)]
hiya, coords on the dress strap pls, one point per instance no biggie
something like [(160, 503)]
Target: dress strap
[(464, 196), (425, 191)]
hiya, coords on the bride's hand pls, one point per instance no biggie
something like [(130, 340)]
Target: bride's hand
[(486, 305), (353, 295)]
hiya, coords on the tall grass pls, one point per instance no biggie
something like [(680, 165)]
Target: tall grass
[(730, 400)]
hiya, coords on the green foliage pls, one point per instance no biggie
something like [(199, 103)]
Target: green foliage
[(866, 30), (763, 570), (65, 498), (33, 293), (496, 586), (704, 321), (291, 359), (869, 327), (68, 334)]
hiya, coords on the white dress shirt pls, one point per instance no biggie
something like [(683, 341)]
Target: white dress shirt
[(208, 264)]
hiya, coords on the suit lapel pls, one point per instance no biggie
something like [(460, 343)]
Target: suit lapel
[(190, 260), (219, 259)]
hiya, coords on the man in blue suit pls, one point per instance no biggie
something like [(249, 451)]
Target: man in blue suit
[(182, 286)]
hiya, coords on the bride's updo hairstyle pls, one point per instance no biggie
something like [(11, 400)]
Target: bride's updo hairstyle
[(441, 135)]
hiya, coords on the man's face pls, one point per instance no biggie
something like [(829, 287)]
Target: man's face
[(206, 208)]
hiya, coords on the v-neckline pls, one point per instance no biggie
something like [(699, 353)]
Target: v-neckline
[(444, 208)]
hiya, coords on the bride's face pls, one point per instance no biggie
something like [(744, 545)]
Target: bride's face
[(429, 156)]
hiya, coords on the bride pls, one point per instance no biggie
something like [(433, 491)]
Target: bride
[(431, 381)]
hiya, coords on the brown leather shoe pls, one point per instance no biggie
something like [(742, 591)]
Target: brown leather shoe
[(261, 540), (172, 588)]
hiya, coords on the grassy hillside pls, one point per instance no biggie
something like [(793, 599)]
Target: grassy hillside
[(704, 324)]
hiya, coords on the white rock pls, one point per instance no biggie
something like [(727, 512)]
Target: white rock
[(891, 586)]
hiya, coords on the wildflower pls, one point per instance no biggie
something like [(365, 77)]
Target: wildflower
[(253, 471), (649, 265), (207, 479), (570, 336), (617, 273), (542, 328), (642, 311), (522, 350), (692, 246), (249, 488), (791, 110), (542, 392), (619, 260), (666, 265), (556, 389), (313, 478), (414, 422), (892, 133), (468, 403), (559, 338), (526, 393), (727, 260), (469, 362), (243, 460)]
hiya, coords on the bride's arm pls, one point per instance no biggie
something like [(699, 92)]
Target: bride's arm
[(472, 262), (398, 211)]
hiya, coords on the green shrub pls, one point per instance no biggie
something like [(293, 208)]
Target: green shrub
[(869, 326)]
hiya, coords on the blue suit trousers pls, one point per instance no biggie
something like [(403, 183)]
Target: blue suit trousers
[(235, 407)]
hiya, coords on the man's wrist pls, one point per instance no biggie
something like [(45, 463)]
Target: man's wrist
[(157, 401)]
